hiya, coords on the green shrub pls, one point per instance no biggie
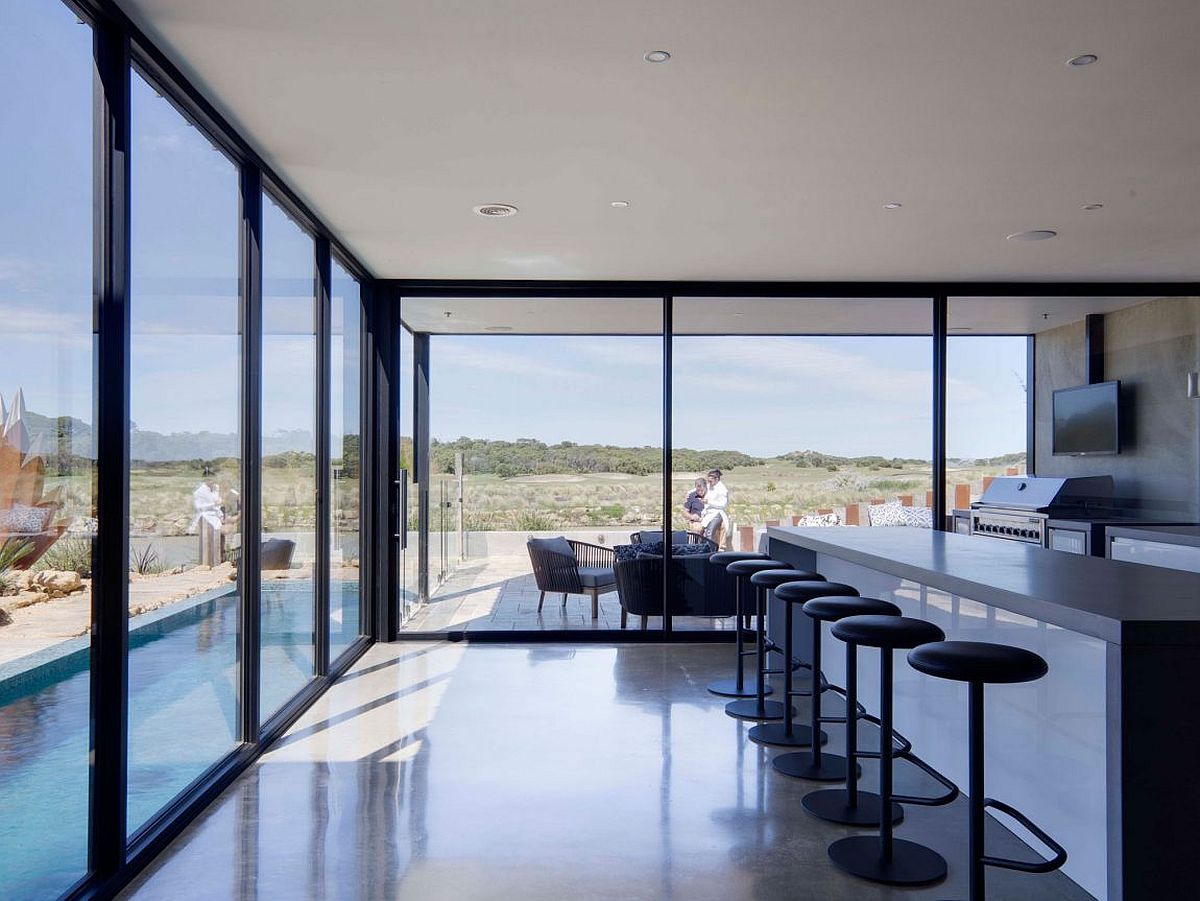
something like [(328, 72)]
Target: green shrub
[(68, 555), (531, 521)]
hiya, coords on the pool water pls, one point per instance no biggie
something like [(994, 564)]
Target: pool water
[(183, 714)]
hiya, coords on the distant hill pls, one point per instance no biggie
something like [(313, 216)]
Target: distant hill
[(528, 456), (63, 438), (68, 436)]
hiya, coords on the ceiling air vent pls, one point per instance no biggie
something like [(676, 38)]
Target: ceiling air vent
[(496, 210)]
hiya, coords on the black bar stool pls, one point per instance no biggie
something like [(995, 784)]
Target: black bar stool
[(816, 764), (979, 663), (887, 859), (737, 687), (787, 733), (757, 707), (847, 805)]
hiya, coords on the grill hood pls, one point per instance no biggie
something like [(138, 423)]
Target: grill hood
[(1039, 493)]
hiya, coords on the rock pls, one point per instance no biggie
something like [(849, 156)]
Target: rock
[(5, 619), (55, 584)]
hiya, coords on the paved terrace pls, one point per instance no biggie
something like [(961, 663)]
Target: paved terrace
[(499, 595)]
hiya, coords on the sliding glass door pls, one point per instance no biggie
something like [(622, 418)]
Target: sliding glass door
[(289, 470), (47, 450), (185, 455)]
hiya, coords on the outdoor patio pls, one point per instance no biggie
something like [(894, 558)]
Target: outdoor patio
[(499, 595)]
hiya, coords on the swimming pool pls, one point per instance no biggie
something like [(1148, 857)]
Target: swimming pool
[(183, 685)]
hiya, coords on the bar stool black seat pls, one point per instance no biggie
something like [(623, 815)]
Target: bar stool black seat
[(848, 805), (722, 581), (979, 663), (885, 858), (816, 764), (741, 571), (788, 733), (763, 582)]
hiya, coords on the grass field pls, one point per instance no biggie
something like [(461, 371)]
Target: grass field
[(775, 490), (161, 496)]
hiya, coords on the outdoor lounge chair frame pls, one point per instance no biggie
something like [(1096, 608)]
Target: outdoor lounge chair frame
[(556, 572)]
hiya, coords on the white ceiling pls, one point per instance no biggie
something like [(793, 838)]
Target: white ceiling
[(747, 315), (763, 150)]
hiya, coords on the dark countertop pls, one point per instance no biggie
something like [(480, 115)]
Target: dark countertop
[(1189, 535), (1123, 603)]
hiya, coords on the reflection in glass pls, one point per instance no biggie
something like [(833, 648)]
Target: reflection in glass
[(289, 466), (47, 456), (345, 484), (185, 455)]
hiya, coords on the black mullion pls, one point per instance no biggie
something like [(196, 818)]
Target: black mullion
[(667, 335), (367, 552), (250, 588), (798, 289), (940, 328), (1030, 404), (421, 366), (387, 421), (110, 562), (323, 325)]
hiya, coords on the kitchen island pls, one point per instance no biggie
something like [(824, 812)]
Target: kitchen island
[(1099, 752)]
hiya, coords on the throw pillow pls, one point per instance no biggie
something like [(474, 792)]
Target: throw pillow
[(889, 514), (25, 520), (918, 517), (817, 520)]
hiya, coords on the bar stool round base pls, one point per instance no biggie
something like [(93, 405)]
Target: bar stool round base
[(832, 804), (749, 710), (776, 734), (832, 767), (910, 864), (727, 688)]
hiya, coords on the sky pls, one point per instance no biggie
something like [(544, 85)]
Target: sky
[(765, 396), (761, 395), (186, 344)]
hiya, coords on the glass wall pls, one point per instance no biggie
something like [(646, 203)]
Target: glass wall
[(345, 476), (289, 449), (185, 455), (546, 424), (987, 393), (47, 456), (817, 412)]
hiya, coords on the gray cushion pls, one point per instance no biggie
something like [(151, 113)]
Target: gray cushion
[(553, 545), (596, 576)]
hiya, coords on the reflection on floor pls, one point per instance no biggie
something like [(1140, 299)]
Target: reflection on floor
[(456, 771), (499, 594)]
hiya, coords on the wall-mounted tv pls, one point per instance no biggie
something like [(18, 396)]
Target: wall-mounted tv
[(1087, 420)]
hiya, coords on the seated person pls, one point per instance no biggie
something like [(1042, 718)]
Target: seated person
[(693, 507)]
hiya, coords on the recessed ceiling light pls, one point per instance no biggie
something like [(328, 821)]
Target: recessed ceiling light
[(1084, 59), (892, 206), (498, 328), (496, 210), (620, 204), (960, 328), (1093, 206), (1037, 234), (657, 56)]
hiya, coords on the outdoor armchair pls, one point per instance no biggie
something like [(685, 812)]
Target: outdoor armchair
[(571, 567)]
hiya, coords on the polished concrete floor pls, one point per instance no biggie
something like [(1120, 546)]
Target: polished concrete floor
[(456, 771), (498, 594)]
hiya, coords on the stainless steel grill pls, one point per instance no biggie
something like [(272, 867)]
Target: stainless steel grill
[(1016, 508)]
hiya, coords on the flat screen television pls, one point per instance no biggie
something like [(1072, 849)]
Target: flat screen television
[(1087, 420)]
